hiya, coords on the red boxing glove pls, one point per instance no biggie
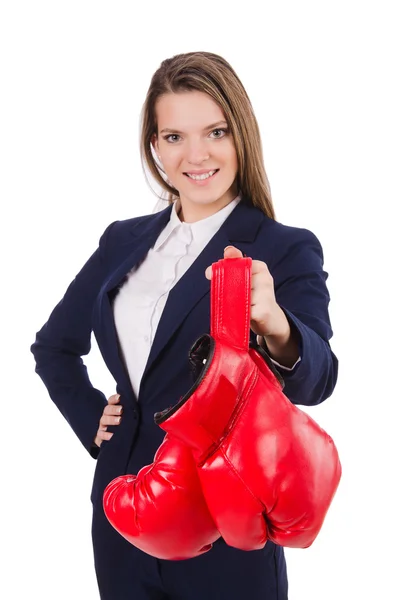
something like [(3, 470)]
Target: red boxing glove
[(267, 470), (162, 510)]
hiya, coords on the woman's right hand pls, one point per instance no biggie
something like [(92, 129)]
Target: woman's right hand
[(111, 416)]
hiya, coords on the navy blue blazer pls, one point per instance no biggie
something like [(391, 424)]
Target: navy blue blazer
[(295, 260)]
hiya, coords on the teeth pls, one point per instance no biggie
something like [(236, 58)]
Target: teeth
[(200, 177)]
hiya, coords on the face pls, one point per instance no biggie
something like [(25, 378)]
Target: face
[(197, 152)]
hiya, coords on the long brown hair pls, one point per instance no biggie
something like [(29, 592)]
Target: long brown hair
[(211, 74)]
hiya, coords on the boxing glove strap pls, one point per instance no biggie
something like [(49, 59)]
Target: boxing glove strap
[(231, 301)]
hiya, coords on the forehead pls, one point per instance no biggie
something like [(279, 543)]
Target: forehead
[(187, 110)]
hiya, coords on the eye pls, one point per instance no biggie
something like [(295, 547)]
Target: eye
[(172, 138), (219, 133)]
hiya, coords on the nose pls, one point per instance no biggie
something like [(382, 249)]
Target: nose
[(197, 152)]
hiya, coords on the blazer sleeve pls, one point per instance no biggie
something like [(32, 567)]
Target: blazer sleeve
[(62, 341), (301, 291)]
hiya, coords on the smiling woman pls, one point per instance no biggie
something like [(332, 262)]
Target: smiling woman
[(198, 158), (145, 294)]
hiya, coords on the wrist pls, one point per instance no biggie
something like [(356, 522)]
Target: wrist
[(283, 345)]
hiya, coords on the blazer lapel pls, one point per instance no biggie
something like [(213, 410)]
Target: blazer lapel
[(142, 237), (239, 229)]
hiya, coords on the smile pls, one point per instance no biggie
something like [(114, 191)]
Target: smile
[(201, 176)]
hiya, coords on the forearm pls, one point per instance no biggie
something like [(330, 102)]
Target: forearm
[(284, 349), (70, 388)]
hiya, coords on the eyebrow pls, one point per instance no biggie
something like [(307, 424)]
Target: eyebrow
[(213, 126)]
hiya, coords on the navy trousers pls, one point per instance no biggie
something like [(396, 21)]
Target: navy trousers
[(125, 573)]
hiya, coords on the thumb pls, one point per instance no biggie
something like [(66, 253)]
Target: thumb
[(229, 252), (232, 252)]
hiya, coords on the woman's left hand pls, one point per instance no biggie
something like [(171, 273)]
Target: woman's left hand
[(267, 318)]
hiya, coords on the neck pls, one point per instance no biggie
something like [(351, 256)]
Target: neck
[(191, 213)]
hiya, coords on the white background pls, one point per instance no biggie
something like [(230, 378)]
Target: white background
[(321, 77)]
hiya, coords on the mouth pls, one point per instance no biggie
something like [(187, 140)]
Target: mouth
[(203, 176)]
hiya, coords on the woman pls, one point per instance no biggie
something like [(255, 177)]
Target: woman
[(145, 295)]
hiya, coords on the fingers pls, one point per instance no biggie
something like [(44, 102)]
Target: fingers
[(102, 435), (111, 416), (105, 421), (232, 252), (114, 399), (229, 252), (258, 266), (113, 410)]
